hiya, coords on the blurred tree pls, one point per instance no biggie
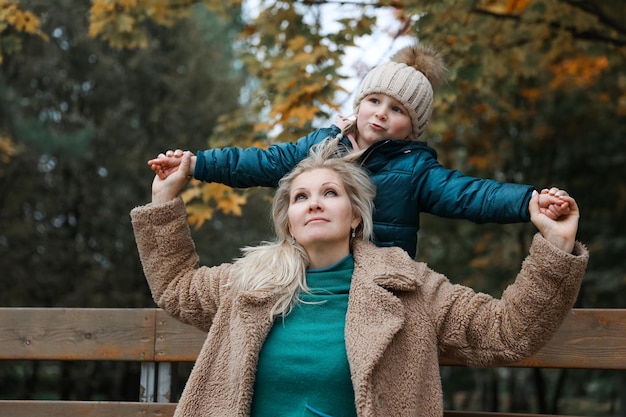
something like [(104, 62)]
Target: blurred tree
[(87, 118), (536, 94)]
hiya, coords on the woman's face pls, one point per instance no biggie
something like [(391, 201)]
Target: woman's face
[(320, 212), (380, 116)]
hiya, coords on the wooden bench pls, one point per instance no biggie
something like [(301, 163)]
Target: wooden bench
[(588, 339)]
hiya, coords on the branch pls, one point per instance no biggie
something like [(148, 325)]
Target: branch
[(347, 2), (584, 35), (594, 10)]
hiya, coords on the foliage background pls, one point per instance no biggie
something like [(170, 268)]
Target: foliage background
[(89, 90)]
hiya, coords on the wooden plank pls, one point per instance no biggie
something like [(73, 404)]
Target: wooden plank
[(77, 334), (497, 414), (587, 339), (129, 409), (16, 408), (175, 341)]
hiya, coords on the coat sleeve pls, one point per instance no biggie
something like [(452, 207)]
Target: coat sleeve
[(449, 193), (251, 167), (168, 256), (479, 330)]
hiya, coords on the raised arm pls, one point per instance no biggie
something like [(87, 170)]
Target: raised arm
[(251, 167), (170, 263), (483, 331), (452, 194)]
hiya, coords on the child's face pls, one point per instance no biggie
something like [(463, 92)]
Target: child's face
[(381, 117)]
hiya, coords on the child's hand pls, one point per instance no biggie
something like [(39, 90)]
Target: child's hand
[(166, 164), (552, 204), (341, 121)]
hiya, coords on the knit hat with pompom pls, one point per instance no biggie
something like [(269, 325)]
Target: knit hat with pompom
[(410, 78)]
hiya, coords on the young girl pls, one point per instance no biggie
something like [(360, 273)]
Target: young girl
[(393, 105)]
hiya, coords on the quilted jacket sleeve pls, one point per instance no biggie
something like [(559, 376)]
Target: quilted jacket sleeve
[(251, 167), (452, 194), (479, 330), (170, 263)]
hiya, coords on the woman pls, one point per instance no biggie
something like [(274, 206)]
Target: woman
[(321, 322)]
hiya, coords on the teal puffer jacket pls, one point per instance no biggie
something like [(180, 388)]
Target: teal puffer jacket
[(408, 179)]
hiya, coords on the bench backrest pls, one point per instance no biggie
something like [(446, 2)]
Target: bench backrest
[(588, 339)]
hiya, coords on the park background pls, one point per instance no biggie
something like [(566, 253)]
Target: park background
[(90, 90)]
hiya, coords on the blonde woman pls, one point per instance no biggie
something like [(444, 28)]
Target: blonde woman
[(321, 322)]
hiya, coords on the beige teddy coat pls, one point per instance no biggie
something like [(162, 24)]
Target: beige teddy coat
[(401, 316)]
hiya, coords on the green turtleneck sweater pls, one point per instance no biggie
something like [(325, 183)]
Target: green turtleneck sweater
[(303, 366)]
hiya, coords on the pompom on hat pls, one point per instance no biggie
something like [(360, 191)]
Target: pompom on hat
[(410, 77)]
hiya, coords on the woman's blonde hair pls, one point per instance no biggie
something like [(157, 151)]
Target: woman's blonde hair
[(280, 265)]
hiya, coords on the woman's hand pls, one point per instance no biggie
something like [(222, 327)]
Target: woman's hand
[(165, 189), (167, 163), (561, 232)]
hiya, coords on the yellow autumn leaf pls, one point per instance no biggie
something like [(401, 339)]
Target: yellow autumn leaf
[(259, 144), (96, 26), (99, 7), (231, 203), (8, 149), (159, 12), (504, 6), (531, 94), (581, 71), (125, 22), (24, 22), (214, 191), (261, 127), (303, 114), (312, 89), (190, 194), (516, 6), (198, 213), (482, 162), (127, 4), (297, 43), (480, 263)]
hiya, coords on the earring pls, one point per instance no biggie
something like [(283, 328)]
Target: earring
[(293, 240), (353, 233)]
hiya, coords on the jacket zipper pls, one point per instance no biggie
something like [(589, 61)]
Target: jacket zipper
[(371, 149)]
